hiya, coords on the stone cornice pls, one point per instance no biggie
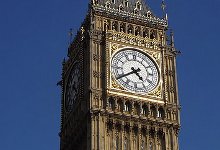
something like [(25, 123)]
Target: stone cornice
[(115, 13)]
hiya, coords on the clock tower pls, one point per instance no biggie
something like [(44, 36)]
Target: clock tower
[(119, 83)]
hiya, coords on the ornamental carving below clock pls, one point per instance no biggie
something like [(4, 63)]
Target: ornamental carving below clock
[(72, 88), (135, 71)]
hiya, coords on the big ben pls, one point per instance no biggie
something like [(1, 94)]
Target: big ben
[(119, 83)]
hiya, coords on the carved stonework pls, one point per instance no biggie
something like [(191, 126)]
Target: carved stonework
[(97, 57), (97, 74)]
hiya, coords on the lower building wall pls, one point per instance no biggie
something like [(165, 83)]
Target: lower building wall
[(113, 134)]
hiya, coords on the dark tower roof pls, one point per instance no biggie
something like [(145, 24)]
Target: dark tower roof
[(131, 6), (133, 9)]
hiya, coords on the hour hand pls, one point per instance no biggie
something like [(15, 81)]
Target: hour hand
[(124, 75), (136, 72)]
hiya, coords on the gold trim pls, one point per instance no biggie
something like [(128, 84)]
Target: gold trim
[(136, 97)]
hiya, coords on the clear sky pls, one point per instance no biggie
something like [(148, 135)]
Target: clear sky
[(34, 40)]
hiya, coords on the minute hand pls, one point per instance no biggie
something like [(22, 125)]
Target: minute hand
[(127, 74)]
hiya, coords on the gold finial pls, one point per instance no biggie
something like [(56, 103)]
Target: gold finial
[(163, 6), (172, 39), (172, 43)]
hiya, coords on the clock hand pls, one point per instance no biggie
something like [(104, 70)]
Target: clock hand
[(138, 70), (133, 71)]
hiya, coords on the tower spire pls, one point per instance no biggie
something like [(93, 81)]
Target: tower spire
[(70, 35)]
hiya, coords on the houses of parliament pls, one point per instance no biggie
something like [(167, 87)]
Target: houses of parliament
[(119, 82)]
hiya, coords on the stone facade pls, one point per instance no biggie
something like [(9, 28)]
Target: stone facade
[(97, 112)]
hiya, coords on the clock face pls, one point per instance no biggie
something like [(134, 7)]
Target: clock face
[(134, 71), (72, 87)]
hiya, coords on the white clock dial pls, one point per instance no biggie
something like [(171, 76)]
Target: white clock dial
[(72, 87), (135, 71)]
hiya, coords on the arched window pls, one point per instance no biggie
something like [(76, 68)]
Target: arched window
[(149, 14), (130, 29), (146, 33), (136, 109), (111, 103), (153, 34), (153, 111), (137, 31), (120, 106), (144, 110), (107, 4), (160, 113), (122, 27), (126, 3), (114, 26), (138, 5), (121, 8), (127, 107)]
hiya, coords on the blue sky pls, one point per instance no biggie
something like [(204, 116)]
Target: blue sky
[(34, 40)]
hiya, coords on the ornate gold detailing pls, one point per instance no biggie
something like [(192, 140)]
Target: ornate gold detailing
[(114, 47), (156, 56), (116, 85), (134, 40), (156, 92)]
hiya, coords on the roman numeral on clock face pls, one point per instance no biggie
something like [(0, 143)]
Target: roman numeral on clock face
[(134, 70)]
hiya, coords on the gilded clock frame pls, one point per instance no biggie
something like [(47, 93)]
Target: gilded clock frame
[(115, 44)]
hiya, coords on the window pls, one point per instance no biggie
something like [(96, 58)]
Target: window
[(113, 1), (138, 5), (153, 34), (107, 4), (148, 14), (153, 111), (144, 110), (145, 33), (160, 113), (137, 31), (126, 107), (126, 3), (122, 27), (130, 29), (121, 8), (114, 26), (111, 104)]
